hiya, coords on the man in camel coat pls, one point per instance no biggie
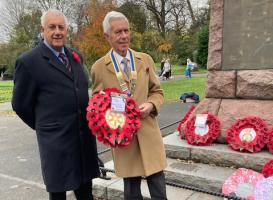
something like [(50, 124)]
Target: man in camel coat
[(145, 156)]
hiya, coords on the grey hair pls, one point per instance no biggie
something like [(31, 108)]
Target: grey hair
[(110, 16), (55, 12)]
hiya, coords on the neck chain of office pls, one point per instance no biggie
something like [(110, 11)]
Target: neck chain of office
[(132, 84)]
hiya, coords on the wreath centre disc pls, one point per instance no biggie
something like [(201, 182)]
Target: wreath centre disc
[(244, 190), (114, 119), (247, 135), (201, 130)]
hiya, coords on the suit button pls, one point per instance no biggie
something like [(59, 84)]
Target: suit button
[(79, 111), (77, 89)]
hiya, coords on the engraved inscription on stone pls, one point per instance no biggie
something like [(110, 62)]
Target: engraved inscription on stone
[(184, 166), (248, 34)]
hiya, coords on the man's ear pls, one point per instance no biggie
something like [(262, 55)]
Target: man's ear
[(42, 31), (106, 35)]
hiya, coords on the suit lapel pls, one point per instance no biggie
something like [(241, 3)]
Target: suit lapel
[(53, 60)]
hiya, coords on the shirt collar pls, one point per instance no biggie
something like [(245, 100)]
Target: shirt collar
[(119, 57), (56, 53)]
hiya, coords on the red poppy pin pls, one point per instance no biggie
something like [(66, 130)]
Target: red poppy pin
[(76, 56)]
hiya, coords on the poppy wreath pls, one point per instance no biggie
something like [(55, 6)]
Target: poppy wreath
[(184, 119), (270, 141), (125, 125), (264, 189), (247, 134), (267, 169), (213, 131), (242, 183)]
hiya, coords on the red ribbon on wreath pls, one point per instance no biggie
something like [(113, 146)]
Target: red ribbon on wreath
[(248, 134), (268, 169), (213, 131), (123, 126), (270, 141)]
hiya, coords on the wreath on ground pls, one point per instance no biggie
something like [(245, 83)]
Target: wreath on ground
[(264, 189), (270, 141), (205, 137), (242, 183), (248, 134), (114, 129)]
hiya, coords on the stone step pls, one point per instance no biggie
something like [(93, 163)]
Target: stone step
[(113, 190), (218, 154), (198, 175)]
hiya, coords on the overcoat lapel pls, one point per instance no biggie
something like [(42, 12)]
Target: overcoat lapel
[(108, 62), (138, 61), (75, 65), (53, 60)]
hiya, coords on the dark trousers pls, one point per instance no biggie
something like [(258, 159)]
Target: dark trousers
[(156, 185), (84, 192)]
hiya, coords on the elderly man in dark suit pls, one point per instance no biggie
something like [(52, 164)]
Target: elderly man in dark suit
[(51, 95)]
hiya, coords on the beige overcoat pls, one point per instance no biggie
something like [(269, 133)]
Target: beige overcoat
[(146, 155)]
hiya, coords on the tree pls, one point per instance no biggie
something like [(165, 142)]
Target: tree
[(159, 10), (179, 19), (23, 37), (26, 32), (11, 12), (136, 16), (202, 51), (191, 11), (74, 10), (90, 39)]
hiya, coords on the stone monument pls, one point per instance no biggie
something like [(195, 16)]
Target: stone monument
[(240, 62)]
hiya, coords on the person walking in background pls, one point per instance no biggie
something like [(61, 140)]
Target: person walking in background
[(167, 70), (188, 69), (162, 66), (145, 156), (51, 95)]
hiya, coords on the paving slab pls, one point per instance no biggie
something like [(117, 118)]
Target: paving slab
[(218, 154), (19, 155)]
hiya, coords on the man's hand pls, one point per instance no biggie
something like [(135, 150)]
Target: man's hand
[(146, 109)]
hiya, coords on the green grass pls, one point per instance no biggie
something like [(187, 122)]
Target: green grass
[(5, 91), (174, 89), (180, 69)]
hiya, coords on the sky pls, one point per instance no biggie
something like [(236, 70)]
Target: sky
[(195, 3), (1, 3)]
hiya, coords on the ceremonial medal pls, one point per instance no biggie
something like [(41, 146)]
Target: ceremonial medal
[(132, 85)]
